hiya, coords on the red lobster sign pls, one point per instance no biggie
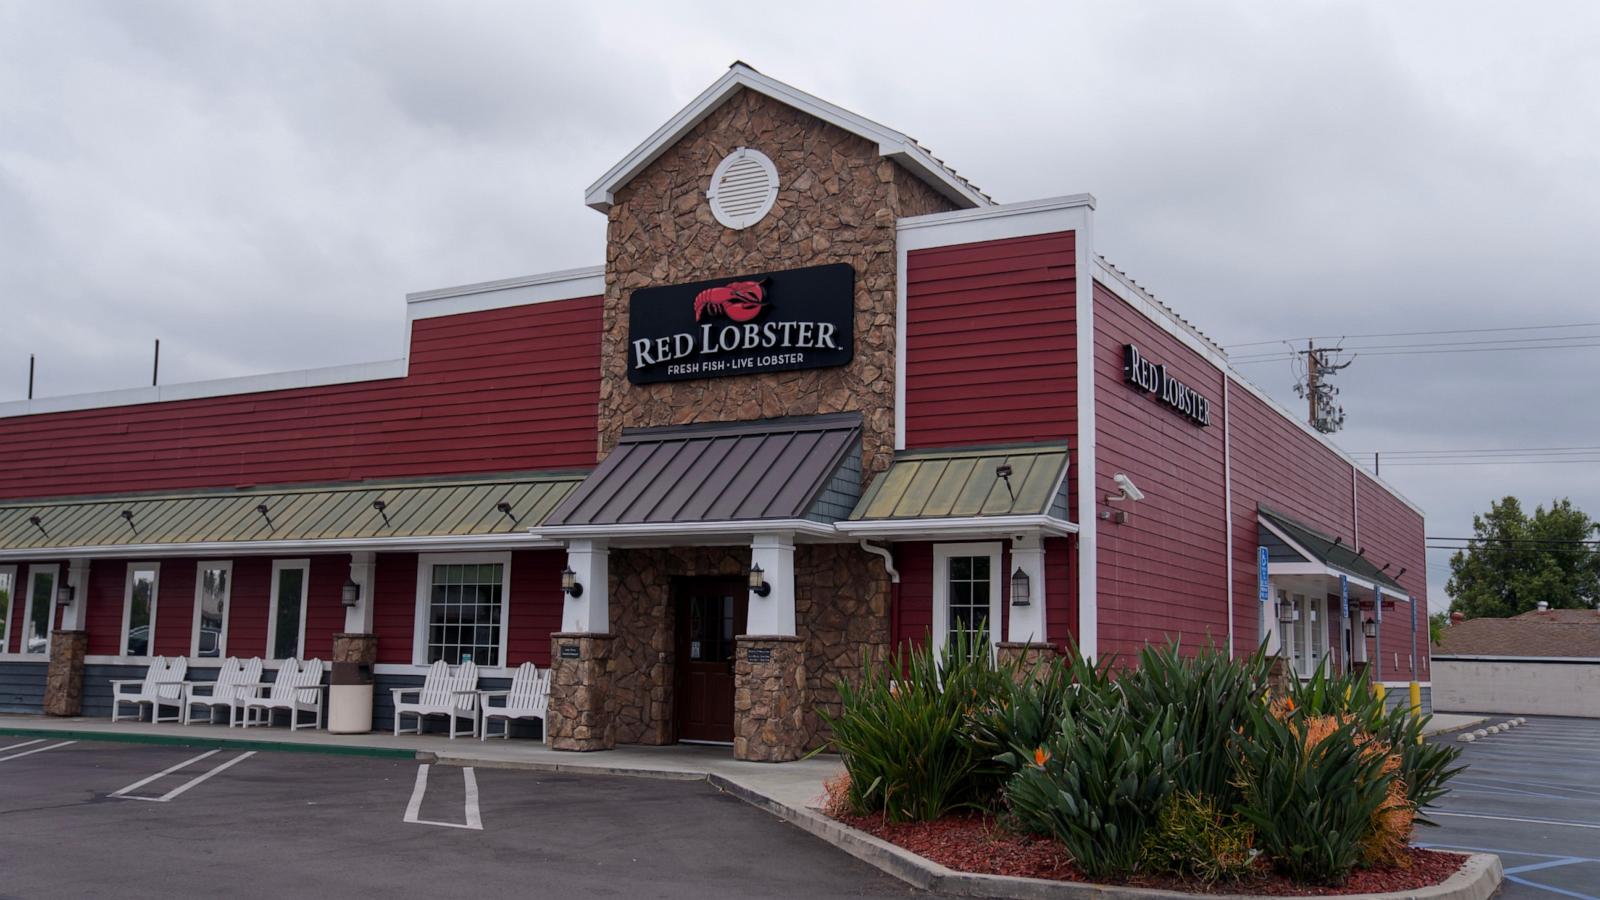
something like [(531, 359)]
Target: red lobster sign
[(740, 301)]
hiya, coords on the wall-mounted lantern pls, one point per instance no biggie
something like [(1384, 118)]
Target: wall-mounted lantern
[(64, 595), (350, 594), (569, 583), (1370, 628), (1287, 613), (758, 582), (1021, 588)]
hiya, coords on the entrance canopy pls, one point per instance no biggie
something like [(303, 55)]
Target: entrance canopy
[(481, 512), (967, 491), (1297, 549), (686, 483)]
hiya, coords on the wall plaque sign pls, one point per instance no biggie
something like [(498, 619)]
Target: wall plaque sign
[(765, 322), (569, 651), (1153, 378), (758, 654)]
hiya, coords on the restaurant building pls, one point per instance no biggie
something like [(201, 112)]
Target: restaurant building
[(824, 396)]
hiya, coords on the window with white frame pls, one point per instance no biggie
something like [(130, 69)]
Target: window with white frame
[(8, 593), (461, 608), (139, 608), (286, 615), (40, 617), (966, 591), (212, 583)]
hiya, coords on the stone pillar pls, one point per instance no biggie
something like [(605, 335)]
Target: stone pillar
[(355, 648), (1278, 677), (581, 716), (63, 690), (1030, 659), (769, 698)]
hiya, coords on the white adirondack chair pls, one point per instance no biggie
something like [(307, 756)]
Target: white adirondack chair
[(528, 698), (224, 692), (298, 689), (162, 685), (445, 692)]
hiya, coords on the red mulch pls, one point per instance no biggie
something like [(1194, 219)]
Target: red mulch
[(974, 843)]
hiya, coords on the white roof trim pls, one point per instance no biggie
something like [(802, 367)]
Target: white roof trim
[(891, 144), (568, 284), (507, 541), (997, 525)]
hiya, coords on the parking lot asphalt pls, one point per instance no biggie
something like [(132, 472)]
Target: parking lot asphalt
[(83, 819), (1532, 795)]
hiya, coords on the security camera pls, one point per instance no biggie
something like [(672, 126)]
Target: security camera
[(1130, 491)]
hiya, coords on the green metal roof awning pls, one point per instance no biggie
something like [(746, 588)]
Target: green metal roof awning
[(962, 489), (369, 514), (1289, 540)]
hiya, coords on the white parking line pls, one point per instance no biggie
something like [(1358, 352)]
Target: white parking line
[(474, 819), (124, 794), (33, 751), (23, 744), (1464, 815)]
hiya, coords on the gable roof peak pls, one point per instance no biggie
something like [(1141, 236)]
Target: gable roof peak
[(892, 144)]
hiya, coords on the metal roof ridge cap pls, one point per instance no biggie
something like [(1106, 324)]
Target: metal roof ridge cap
[(317, 487), (982, 449), (687, 430)]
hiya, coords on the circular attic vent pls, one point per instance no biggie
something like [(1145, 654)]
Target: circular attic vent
[(743, 188)]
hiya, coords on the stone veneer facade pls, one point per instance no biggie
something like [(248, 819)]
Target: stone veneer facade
[(63, 686), (838, 201)]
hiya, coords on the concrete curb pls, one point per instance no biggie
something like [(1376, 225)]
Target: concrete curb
[(1477, 879), (131, 737), (1464, 726)]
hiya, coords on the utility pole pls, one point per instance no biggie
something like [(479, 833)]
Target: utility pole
[(1321, 364)]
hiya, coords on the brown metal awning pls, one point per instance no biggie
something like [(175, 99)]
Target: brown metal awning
[(424, 512), (798, 472)]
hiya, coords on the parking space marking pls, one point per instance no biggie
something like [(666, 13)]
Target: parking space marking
[(23, 744), (34, 750), (1514, 873), (1469, 815), (124, 793), (414, 807)]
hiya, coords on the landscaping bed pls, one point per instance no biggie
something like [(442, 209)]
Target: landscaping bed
[(980, 845)]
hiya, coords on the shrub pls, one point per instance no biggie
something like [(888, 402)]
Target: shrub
[(1212, 696), (1193, 838), (1027, 712), (1311, 788), (1098, 785), (902, 731)]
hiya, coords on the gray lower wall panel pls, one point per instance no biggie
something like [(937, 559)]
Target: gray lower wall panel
[(22, 686)]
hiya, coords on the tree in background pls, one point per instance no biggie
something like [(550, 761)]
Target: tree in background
[(1515, 560), (1437, 623)]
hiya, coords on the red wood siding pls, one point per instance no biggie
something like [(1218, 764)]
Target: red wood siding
[(102, 618), (991, 342), (1277, 463), (174, 607), (1392, 533), (535, 605), (914, 620), (1162, 574), (500, 390), (1061, 591), (395, 595), (249, 597), (325, 604)]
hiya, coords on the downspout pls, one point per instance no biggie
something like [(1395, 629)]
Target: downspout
[(894, 588)]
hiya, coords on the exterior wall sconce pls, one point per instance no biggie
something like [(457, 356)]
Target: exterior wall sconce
[(1370, 628), (1287, 613), (350, 594), (758, 583), (64, 595), (1021, 588), (569, 583)]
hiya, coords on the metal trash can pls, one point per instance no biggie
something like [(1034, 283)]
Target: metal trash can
[(350, 698)]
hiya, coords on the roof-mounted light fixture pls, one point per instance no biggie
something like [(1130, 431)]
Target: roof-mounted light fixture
[(505, 508), (36, 522), (262, 508), (381, 507), (1003, 472), (127, 516)]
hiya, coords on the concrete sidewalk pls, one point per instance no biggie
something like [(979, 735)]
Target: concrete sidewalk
[(796, 784), (1444, 723)]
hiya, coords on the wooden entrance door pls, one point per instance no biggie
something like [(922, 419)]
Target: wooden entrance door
[(711, 612)]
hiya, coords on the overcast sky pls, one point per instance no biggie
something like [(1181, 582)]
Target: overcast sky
[(258, 185)]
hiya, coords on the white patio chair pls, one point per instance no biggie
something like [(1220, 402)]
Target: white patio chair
[(162, 685), (445, 692), (298, 689), (224, 692), (528, 698)]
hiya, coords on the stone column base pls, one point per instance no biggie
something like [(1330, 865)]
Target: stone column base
[(769, 698), (1030, 659), (355, 648), (581, 715), (63, 689), (1278, 677)]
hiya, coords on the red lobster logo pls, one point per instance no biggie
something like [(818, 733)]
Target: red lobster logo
[(740, 301)]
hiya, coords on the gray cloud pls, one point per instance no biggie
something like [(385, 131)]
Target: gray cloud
[(259, 185)]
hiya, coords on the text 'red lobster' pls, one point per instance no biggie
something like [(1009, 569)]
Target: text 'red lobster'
[(740, 301)]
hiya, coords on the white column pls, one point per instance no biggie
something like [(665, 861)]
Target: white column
[(1027, 623), (1267, 620), (590, 611), (363, 571), (78, 580), (774, 613)]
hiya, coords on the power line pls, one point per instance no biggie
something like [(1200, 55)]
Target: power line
[(1419, 333), (1279, 357), (1484, 450), (1506, 540), (1498, 462)]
